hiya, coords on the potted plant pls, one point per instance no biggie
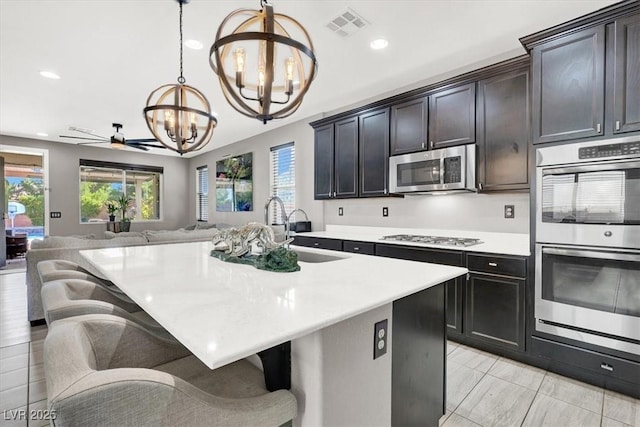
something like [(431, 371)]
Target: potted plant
[(124, 202), (112, 209)]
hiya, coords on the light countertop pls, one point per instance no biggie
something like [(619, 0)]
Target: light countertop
[(223, 312), (495, 243)]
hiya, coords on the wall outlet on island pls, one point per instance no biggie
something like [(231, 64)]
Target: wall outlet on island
[(380, 333), (340, 211), (509, 211), (56, 215), (385, 211)]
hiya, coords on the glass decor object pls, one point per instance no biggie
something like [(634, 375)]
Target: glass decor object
[(178, 115), (264, 72)]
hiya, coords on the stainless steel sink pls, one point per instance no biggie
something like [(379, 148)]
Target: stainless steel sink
[(313, 257)]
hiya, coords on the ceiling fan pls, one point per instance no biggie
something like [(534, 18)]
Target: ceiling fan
[(117, 140)]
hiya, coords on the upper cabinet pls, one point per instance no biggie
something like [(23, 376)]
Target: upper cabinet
[(409, 126), (503, 132), (585, 76), (452, 117), (626, 74), (568, 87), (352, 156), (374, 153)]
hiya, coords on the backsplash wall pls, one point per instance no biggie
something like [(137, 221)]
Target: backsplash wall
[(479, 212)]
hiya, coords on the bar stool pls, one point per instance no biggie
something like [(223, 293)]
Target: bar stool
[(105, 370), (74, 297)]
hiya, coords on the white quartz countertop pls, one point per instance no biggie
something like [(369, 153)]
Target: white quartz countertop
[(495, 243), (223, 312)]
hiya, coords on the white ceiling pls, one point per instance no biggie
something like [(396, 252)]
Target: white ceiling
[(111, 54)]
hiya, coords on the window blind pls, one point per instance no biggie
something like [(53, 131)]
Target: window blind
[(202, 194), (283, 180)]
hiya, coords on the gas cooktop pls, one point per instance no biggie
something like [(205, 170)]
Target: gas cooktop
[(433, 240)]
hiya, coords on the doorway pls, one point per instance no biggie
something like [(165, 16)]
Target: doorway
[(24, 201)]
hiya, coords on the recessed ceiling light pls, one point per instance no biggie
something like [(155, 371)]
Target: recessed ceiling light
[(379, 44), (42, 134), (49, 75), (193, 44)]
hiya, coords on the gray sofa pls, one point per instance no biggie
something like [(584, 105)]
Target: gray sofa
[(69, 247)]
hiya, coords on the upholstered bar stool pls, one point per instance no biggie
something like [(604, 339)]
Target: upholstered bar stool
[(105, 370), (57, 269), (75, 297)]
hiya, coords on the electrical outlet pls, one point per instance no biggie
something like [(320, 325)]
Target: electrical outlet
[(385, 211), (55, 214), (340, 211), (380, 334), (509, 211)]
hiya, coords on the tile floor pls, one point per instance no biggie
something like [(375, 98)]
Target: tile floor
[(482, 389)]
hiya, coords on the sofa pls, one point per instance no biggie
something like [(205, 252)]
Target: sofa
[(69, 247)]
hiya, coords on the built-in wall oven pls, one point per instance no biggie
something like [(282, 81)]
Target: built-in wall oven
[(587, 255)]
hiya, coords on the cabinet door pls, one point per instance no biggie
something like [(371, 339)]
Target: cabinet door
[(626, 105), (323, 162), (503, 132), (346, 158), (452, 117), (374, 153), (495, 310), (453, 291), (409, 126), (568, 87)]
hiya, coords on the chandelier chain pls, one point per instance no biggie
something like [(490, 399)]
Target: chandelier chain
[(181, 79)]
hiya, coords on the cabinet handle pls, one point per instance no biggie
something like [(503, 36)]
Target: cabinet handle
[(607, 367), (356, 248), (316, 244), (598, 127), (617, 124), (385, 191), (432, 144), (334, 194), (480, 186), (422, 145), (493, 264)]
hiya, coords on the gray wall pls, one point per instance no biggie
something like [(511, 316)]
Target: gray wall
[(301, 134), (64, 184)]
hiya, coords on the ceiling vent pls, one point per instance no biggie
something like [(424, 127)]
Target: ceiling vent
[(347, 23)]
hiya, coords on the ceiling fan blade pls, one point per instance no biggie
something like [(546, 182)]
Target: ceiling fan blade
[(83, 138), (142, 140), (141, 144), (87, 131)]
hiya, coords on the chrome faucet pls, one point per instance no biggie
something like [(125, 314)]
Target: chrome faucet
[(306, 217), (283, 211)]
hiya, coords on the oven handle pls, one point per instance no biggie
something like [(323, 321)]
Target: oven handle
[(591, 168), (617, 256)]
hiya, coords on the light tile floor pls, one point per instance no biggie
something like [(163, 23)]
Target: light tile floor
[(482, 389)]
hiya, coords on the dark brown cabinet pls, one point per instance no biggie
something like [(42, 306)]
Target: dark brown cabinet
[(495, 301), (568, 86), (503, 132), (352, 156), (409, 126), (323, 161), (374, 153), (346, 158), (626, 88), (452, 116)]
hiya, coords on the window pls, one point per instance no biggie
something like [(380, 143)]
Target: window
[(101, 182), (283, 180), (202, 193)]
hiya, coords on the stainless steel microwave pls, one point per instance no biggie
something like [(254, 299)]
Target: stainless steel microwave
[(446, 169)]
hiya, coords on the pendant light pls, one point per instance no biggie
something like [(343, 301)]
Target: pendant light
[(263, 71), (179, 115)]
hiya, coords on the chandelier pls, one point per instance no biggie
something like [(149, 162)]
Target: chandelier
[(263, 71), (179, 115)]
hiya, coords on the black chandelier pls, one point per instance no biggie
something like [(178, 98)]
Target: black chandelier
[(263, 71), (172, 118)]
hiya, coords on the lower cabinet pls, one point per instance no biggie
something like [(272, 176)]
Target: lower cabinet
[(495, 301), (454, 299), (318, 242), (495, 310)]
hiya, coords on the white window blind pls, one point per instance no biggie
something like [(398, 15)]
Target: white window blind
[(202, 180), (283, 180)]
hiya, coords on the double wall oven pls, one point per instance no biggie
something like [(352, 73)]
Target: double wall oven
[(587, 284)]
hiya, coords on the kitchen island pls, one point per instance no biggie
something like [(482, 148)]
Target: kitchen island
[(223, 312)]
